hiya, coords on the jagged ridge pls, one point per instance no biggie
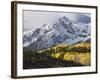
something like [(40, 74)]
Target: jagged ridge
[(63, 31)]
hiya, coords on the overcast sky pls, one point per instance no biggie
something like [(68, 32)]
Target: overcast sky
[(35, 19)]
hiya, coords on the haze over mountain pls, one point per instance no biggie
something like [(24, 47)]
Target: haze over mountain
[(62, 31), (35, 19)]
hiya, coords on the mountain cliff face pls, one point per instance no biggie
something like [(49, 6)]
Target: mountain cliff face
[(63, 31)]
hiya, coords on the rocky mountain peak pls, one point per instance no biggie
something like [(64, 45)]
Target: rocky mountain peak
[(63, 31)]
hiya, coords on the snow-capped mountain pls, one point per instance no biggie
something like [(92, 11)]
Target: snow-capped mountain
[(63, 31)]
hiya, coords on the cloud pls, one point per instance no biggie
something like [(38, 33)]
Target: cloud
[(35, 19)]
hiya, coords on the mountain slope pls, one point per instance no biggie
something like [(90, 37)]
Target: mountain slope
[(63, 31), (78, 53)]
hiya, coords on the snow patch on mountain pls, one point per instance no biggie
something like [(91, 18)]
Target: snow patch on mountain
[(62, 31)]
